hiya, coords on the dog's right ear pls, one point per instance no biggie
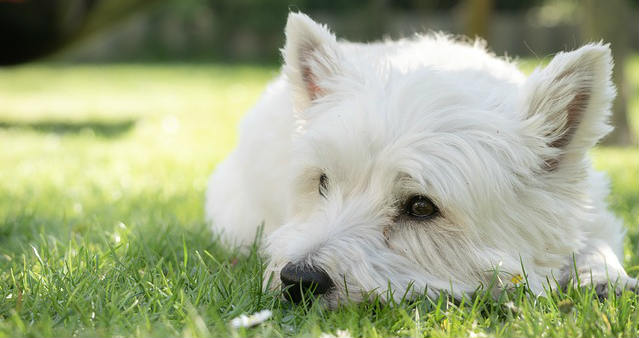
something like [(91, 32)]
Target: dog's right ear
[(310, 56)]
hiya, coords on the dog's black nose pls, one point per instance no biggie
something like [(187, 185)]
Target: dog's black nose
[(298, 280)]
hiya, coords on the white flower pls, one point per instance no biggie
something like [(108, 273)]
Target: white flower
[(252, 320), (338, 334), (472, 334)]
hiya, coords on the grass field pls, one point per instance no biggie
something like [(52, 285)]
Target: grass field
[(102, 176)]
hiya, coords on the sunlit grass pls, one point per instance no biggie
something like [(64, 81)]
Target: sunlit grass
[(102, 178)]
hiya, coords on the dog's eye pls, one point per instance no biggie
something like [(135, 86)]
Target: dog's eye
[(421, 207), (323, 185)]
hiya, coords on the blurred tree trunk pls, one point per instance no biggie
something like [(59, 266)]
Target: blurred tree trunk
[(476, 15), (33, 29), (608, 20)]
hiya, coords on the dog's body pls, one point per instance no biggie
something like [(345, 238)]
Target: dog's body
[(426, 162)]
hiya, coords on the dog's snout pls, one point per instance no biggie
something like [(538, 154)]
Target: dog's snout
[(298, 279)]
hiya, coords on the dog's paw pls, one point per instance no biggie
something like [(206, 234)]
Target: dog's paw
[(602, 290), (632, 284)]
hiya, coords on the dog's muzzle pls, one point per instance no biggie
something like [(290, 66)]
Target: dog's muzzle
[(301, 280)]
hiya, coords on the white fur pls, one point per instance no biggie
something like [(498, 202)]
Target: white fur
[(504, 157)]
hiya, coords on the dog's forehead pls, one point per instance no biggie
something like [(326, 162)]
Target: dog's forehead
[(428, 124), (405, 108), (355, 134)]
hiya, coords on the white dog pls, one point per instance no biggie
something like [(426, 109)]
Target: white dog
[(423, 162)]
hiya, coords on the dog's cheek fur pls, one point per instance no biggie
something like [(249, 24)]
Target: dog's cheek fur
[(451, 258)]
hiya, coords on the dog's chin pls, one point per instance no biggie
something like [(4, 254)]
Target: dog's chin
[(328, 300), (331, 300)]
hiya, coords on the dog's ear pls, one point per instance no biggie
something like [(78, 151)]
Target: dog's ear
[(310, 58), (567, 105)]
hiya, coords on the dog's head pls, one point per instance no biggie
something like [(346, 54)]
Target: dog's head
[(434, 164)]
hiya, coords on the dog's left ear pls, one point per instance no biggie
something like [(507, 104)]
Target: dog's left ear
[(311, 57), (567, 105)]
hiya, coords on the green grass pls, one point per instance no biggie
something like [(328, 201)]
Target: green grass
[(102, 176)]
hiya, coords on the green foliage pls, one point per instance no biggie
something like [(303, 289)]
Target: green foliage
[(102, 177)]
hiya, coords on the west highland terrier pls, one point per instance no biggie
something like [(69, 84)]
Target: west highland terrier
[(423, 164)]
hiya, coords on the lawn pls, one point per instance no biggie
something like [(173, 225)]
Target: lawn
[(103, 170)]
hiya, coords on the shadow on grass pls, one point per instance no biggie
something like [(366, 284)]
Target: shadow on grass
[(102, 128)]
